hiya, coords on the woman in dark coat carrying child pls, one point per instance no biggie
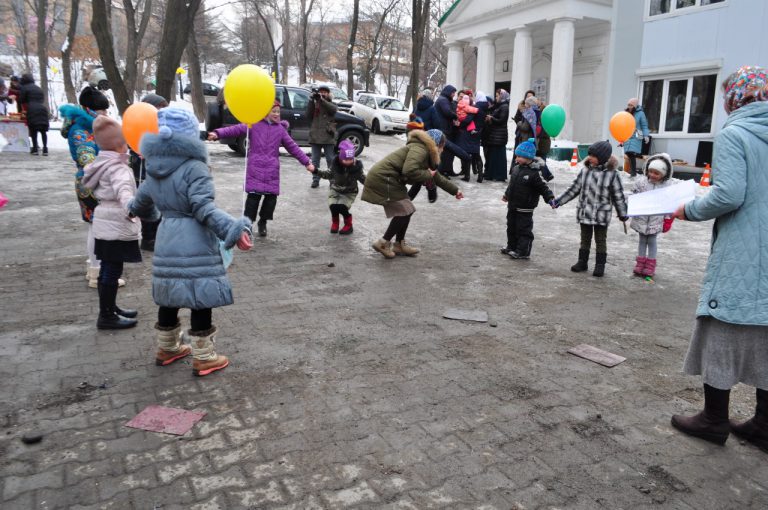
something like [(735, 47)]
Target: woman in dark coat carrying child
[(495, 138)]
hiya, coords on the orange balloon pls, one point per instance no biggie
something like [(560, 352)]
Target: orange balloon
[(139, 119), (622, 126)]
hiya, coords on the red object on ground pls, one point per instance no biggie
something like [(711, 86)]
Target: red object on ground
[(165, 419), (3, 200)]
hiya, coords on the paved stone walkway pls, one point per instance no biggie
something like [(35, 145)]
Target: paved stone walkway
[(347, 389)]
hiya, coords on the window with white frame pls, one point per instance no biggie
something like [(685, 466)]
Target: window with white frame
[(661, 7), (679, 105)]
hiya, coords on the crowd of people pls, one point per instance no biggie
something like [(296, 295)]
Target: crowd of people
[(171, 181)]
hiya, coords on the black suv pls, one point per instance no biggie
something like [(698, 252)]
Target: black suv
[(294, 102)]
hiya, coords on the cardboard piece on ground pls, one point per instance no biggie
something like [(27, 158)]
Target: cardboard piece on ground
[(599, 356), (661, 201), (165, 419), (466, 315)]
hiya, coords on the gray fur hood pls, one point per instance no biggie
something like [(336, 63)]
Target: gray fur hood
[(165, 155), (664, 157)]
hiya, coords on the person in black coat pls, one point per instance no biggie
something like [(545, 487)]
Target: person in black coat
[(496, 136), (32, 101), (469, 139), (522, 197), (446, 120), (425, 109)]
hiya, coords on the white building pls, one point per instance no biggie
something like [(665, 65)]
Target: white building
[(590, 56)]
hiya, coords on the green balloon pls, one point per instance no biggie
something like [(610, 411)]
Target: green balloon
[(553, 119)]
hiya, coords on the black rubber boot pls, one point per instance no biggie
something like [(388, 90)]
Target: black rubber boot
[(582, 264), (755, 430), (262, 226), (108, 317), (600, 259), (126, 312), (712, 423), (432, 194)]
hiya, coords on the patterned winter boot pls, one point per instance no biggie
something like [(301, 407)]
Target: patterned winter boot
[(169, 345), (639, 266), (650, 267), (206, 360), (755, 430)]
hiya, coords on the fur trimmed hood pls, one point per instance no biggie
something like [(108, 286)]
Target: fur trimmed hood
[(667, 159), (164, 155), (611, 164), (420, 136)]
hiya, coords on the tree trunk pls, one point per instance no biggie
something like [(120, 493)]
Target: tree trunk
[(42, 45), (179, 13), (272, 43), (286, 38), (66, 55), (195, 77), (418, 32), (351, 49), (101, 26)]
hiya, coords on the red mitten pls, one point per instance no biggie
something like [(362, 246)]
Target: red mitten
[(667, 224)]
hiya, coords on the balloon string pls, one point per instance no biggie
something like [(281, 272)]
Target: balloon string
[(245, 169)]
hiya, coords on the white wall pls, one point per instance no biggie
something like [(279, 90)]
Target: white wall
[(733, 32)]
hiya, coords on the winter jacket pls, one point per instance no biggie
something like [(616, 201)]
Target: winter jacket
[(31, 98), (650, 225), (343, 179), (188, 271), (598, 188), (264, 141), (496, 132), (735, 286), (322, 117), (445, 112), (387, 179), (425, 108), (111, 180), (77, 129), (635, 144), (526, 186), (469, 141)]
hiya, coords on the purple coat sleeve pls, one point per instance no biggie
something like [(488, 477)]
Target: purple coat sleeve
[(231, 131), (294, 149)]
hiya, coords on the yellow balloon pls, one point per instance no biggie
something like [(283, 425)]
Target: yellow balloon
[(249, 93)]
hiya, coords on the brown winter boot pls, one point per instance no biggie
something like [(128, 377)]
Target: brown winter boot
[(401, 248), (712, 423), (755, 430), (383, 246), (169, 345), (205, 358)]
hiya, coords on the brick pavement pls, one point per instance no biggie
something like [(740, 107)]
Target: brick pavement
[(347, 389)]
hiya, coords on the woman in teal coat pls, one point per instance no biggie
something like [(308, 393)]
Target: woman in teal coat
[(730, 338), (634, 146)]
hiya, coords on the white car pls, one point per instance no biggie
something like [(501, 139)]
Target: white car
[(382, 114)]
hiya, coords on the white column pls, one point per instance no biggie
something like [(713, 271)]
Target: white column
[(454, 74), (520, 70), (486, 64), (561, 75)]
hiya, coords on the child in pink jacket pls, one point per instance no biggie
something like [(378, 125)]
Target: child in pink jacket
[(263, 169)]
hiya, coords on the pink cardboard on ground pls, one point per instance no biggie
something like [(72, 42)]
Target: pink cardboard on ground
[(165, 419)]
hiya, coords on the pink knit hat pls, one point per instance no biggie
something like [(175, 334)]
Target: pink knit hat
[(108, 133)]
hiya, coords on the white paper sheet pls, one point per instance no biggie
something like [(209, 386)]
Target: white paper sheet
[(661, 201)]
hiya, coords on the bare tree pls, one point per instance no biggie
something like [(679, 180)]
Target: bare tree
[(173, 41), (66, 52), (351, 48), (123, 84), (40, 8), (420, 20), (306, 10), (374, 43), (285, 21), (273, 44), (20, 16), (195, 77)]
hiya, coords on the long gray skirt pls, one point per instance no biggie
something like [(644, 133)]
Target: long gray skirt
[(725, 354)]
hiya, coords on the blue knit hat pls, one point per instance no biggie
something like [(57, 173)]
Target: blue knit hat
[(436, 135), (527, 149), (175, 121)]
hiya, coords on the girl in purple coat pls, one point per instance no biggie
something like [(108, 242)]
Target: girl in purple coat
[(263, 173)]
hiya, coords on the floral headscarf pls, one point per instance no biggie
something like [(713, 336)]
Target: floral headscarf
[(747, 85)]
